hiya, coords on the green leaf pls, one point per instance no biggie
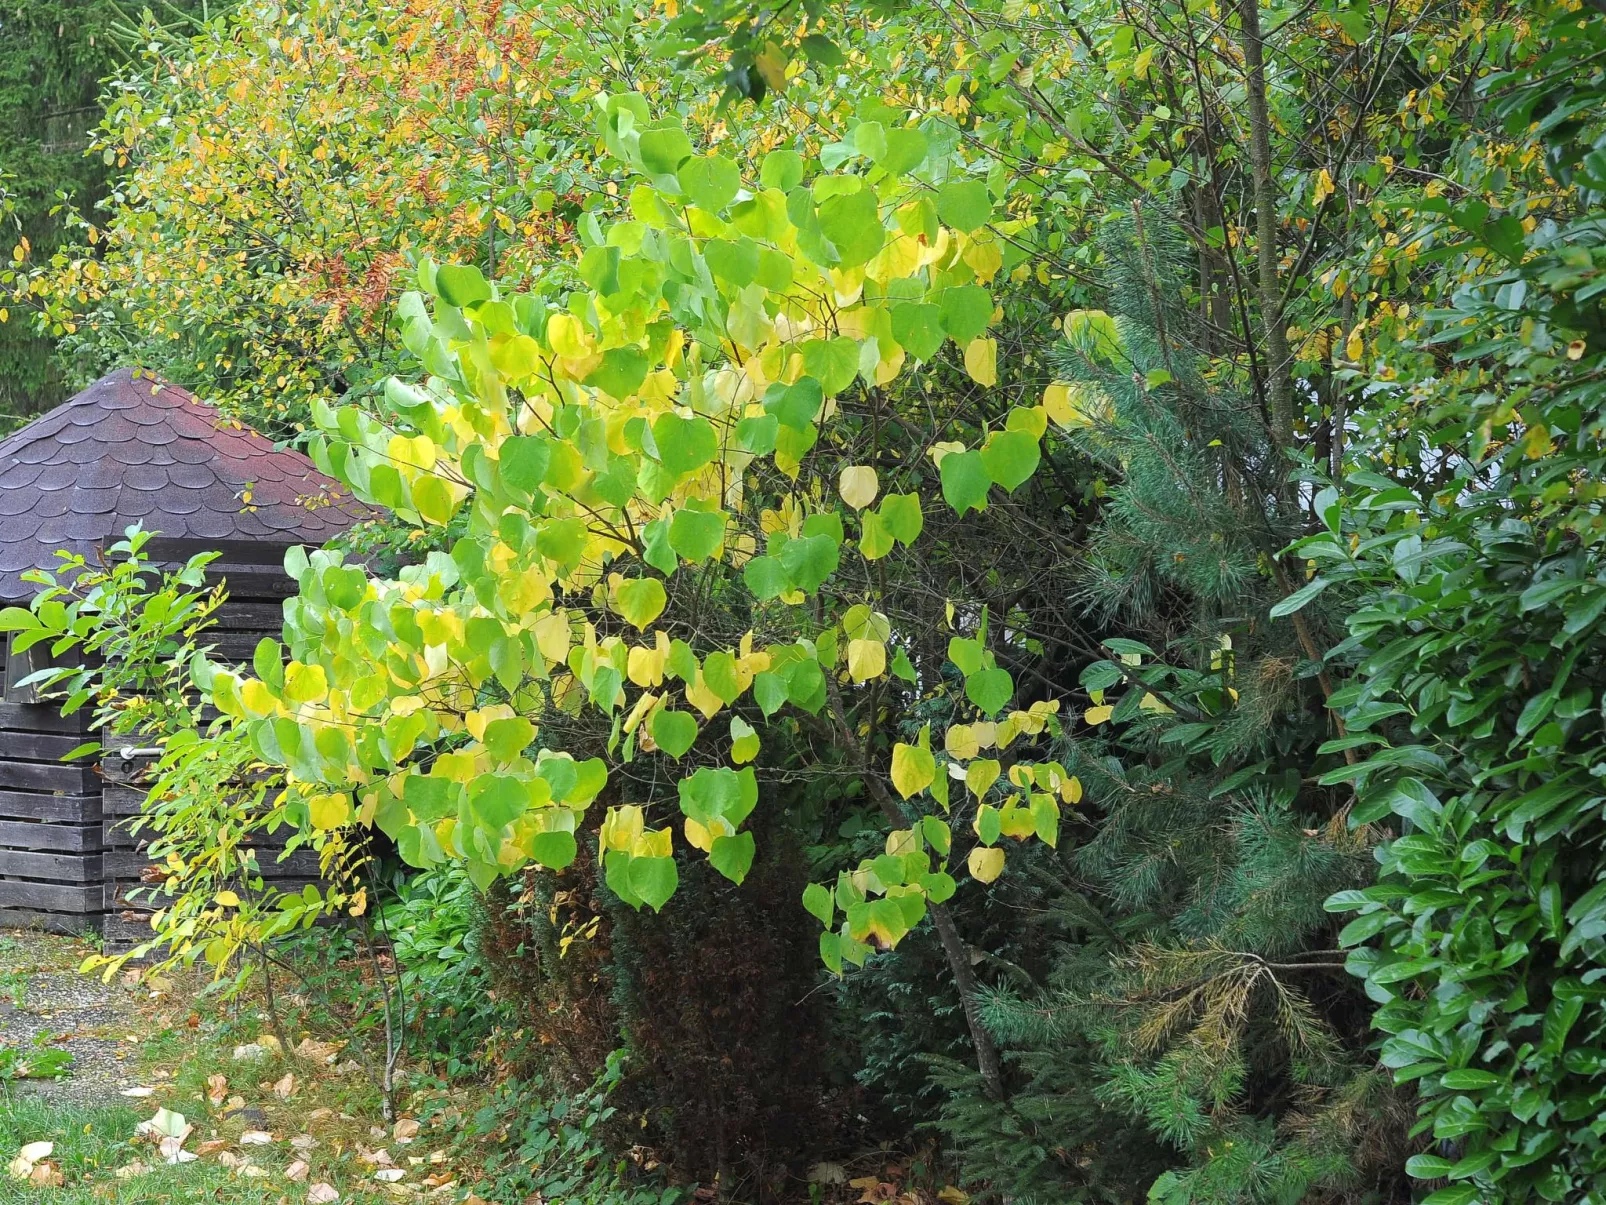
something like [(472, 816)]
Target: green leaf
[(17, 619), (818, 901), (461, 284), (1011, 457), (918, 327), (496, 800), (809, 560), (684, 444), (875, 541), (664, 149), (653, 880), (769, 692), (524, 460), (834, 363), (695, 534), (965, 481), (990, 690), (901, 514), (964, 205), (966, 311), (822, 50), (756, 434), (732, 856), (673, 731), (1300, 597), (797, 404), (719, 675), (782, 170), (711, 181), (903, 668), (853, 224), (766, 577), (641, 600), (906, 150), (554, 850), (508, 738), (621, 372), (655, 548)]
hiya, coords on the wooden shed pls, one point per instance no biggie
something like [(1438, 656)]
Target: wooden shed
[(129, 449)]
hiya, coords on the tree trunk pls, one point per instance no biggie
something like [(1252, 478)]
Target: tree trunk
[(1279, 384), (987, 1060)]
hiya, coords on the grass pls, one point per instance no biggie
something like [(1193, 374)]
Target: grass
[(92, 1143)]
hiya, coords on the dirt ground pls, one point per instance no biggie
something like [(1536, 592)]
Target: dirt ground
[(41, 992)]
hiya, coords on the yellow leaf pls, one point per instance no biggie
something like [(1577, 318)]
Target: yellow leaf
[(867, 659), (980, 776), (552, 636), (703, 699), (646, 666), (1536, 442), (329, 811), (1071, 790), (913, 769), (228, 899), (621, 827), (1094, 716), (1324, 187), (981, 361), (858, 486), (985, 864), (960, 742), (1355, 345)]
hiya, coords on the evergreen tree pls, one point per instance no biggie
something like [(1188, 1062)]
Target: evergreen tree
[(1196, 992)]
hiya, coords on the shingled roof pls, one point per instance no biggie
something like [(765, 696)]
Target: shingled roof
[(130, 449)]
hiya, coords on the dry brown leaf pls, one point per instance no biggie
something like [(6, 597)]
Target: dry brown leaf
[(322, 1194), (297, 1171), (255, 1138), (217, 1089), (285, 1087), (405, 1130)]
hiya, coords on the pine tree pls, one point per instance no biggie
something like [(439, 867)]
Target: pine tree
[(1196, 995)]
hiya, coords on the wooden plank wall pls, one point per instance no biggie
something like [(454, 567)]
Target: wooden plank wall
[(51, 823), (133, 879), (68, 861)]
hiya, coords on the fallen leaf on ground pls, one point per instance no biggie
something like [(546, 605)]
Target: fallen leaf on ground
[(389, 1174), (405, 1130), (133, 1169), (45, 1175), (250, 1171), (284, 1087), (322, 1194), (211, 1146), (217, 1089), (268, 1042), (379, 1158), (318, 1052), (297, 1171), (304, 1142), (22, 1167), (229, 1159), (138, 1093), (172, 1149), (165, 1123), (250, 1052), (255, 1138)]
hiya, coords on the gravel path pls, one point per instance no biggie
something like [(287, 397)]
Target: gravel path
[(41, 992)]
